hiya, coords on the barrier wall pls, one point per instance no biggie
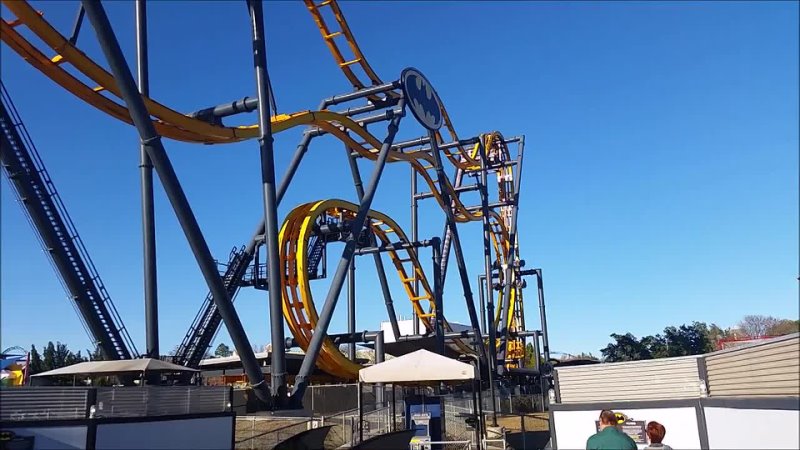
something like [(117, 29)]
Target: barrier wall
[(202, 431), (744, 398), (708, 423), (669, 378)]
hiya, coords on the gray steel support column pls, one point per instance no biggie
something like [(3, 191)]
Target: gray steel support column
[(482, 299), (448, 238), (324, 320), (510, 268), (380, 356), (436, 247), (536, 353), (543, 316), (351, 307), (249, 251), (487, 267), (360, 414), (451, 222), (394, 410), (174, 191), (414, 238), (379, 268), (148, 210), (487, 256), (76, 26), (265, 143)]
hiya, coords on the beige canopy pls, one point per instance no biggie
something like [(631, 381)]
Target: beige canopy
[(117, 367), (419, 366)]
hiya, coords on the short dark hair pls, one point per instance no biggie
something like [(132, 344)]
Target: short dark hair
[(608, 417), (656, 432)]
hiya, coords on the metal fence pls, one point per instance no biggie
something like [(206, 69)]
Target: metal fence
[(161, 400), (51, 402), (37, 403)]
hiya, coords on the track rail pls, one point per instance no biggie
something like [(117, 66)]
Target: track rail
[(298, 303), (59, 237)]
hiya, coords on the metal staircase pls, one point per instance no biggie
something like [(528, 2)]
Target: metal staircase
[(237, 273), (206, 323), (58, 236)]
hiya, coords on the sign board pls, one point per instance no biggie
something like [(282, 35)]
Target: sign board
[(633, 428), (421, 418), (422, 99)]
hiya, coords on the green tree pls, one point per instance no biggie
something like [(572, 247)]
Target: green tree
[(96, 355), (58, 355), (222, 351), (626, 347), (35, 364), (49, 357), (675, 341)]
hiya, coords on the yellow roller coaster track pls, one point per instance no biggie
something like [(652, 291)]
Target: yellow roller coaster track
[(176, 125), (298, 303)]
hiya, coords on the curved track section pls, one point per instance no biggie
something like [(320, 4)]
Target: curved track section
[(299, 310)]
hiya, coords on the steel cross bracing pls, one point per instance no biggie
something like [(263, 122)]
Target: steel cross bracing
[(58, 236)]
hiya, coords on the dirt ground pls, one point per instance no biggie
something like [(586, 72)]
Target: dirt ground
[(530, 431), (253, 434)]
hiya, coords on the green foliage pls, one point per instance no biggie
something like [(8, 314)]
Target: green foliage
[(694, 339), (222, 351), (36, 364), (626, 347), (58, 355), (675, 341)]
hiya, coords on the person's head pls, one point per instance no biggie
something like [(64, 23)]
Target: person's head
[(655, 432), (607, 419)]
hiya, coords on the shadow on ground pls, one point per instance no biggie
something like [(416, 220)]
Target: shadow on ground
[(527, 440)]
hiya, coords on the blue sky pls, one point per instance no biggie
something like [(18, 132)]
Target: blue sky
[(660, 182)]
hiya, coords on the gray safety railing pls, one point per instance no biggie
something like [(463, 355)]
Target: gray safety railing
[(44, 403), (161, 400)]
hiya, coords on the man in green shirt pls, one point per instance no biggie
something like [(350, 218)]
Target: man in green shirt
[(609, 437)]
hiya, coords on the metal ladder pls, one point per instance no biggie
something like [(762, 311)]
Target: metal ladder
[(206, 323), (59, 238)]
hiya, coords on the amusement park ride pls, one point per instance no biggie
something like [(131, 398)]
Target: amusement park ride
[(290, 255)]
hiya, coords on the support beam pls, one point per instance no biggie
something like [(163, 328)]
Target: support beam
[(199, 343), (351, 307), (321, 329), (250, 104), (379, 267), (148, 210), (163, 166), (438, 293), (76, 27), (510, 278), (414, 238), (265, 144), (487, 267), (543, 316), (451, 223), (447, 239), (380, 356)]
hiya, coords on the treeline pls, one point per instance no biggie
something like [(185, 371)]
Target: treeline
[(55, 356), (694, 339)]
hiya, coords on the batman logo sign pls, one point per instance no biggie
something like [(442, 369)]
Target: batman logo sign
[(422, 99)]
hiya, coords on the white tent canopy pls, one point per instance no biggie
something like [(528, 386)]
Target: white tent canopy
[(419, 366), (116, 367)]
